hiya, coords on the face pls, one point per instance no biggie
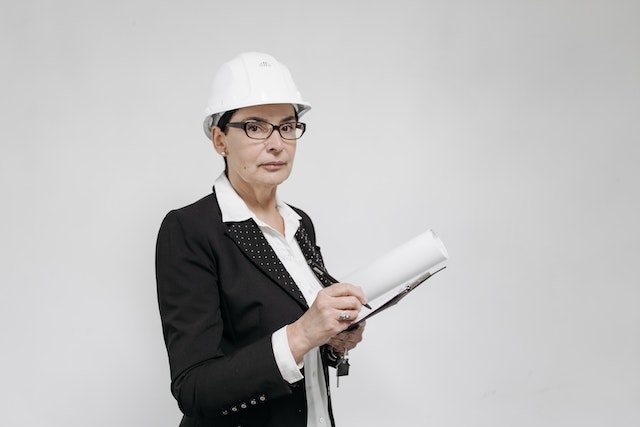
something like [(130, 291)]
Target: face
[(257, 164)]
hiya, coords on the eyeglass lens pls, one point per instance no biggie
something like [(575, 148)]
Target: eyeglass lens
[(262, 130)]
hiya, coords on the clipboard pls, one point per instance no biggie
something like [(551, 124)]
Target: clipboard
[(403, 292)]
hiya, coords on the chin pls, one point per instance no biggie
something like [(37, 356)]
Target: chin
[(277, 178)]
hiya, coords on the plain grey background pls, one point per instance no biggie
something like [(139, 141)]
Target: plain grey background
[(509, 127)]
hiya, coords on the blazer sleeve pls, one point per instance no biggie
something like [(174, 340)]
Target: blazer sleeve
[(206, 381)]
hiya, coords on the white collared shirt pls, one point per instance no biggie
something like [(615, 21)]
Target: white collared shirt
[(286, 247)]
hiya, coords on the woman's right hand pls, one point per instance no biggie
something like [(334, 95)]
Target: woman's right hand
[(325, 318)]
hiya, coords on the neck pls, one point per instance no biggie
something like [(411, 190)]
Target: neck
[(261, 200)]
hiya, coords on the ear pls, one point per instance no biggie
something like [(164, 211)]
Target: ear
[(219, 140)]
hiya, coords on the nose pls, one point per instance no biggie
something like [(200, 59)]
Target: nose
[(274, 142)]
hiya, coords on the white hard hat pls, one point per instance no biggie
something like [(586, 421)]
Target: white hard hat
[(249, 79)]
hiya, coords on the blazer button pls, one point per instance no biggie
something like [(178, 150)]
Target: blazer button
[(243, 405), (253, 402), (262, 398), (234, 409), (225, 412)]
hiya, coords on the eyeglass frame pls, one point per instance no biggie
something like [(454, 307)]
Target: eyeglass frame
[(243, 126)]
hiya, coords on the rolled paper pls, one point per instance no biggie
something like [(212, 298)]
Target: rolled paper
[(424, 253)]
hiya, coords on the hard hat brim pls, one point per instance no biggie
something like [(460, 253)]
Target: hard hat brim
[(212, 119)]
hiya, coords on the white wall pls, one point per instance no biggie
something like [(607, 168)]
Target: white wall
[(511, 128)]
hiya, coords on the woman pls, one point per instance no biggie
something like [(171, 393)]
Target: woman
[(249, 319)]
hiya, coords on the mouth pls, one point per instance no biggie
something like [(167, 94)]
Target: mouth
[(273, 165)]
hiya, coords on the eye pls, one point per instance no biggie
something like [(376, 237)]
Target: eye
[(287, 127)]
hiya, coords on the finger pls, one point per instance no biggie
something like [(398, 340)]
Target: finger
[(347, 303), (353, 334), (347, 289), (338, 342), (347, 316), (340, 346)]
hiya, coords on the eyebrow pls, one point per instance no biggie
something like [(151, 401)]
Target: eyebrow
[(260, 119)]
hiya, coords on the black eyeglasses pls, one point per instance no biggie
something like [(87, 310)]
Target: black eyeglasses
[(255, 129)]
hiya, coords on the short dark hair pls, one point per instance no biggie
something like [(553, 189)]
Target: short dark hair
[(222, 124), (224, 119)]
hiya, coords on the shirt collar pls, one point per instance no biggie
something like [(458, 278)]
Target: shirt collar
[(234, 209)]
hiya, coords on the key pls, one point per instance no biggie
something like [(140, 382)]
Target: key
[(342, 367)]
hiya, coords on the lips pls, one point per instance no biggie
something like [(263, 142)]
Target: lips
[(273, 165)]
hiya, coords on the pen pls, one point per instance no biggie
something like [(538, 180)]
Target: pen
[(325, 273)]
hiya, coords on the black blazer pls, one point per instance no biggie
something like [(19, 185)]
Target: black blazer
[(222, 292)]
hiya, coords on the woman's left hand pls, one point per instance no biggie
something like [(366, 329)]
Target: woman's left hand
[(347, 339)]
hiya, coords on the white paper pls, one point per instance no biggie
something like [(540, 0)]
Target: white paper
[(424, 253)]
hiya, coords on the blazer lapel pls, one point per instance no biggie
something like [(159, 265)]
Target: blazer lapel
[(249, 238), (312, 255)]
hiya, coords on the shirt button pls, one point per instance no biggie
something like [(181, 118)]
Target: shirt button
[(321, 420)]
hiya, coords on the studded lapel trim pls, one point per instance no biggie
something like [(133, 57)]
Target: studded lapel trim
[(249, 238), (311, 254)]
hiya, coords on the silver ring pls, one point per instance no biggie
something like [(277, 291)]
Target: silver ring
[(344, 316)]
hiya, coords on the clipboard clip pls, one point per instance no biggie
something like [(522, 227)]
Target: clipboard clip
[(421, 279), (404, 291)]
